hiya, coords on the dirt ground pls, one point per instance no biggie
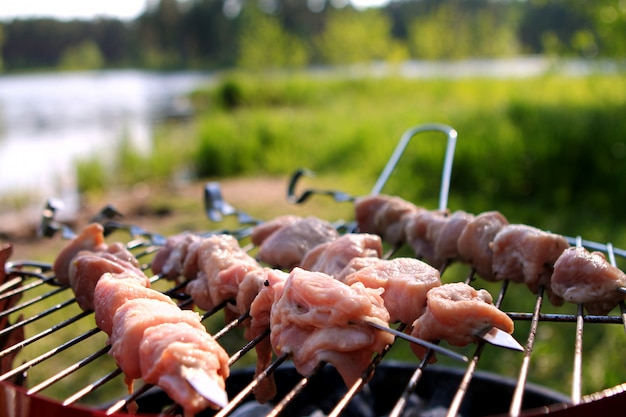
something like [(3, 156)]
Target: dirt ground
[(180, 205)]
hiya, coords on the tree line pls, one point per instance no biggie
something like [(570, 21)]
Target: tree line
[(261, 34)]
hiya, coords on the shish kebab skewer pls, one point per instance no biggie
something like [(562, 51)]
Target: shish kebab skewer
[(107, 279), (488, 334)]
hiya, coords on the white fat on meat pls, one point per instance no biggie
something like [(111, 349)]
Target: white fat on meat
[(405, 282), (584, 277), (474, 243), (223, 264), (454, 312), (131, 320), (172, 260), (385, 216), (91, 238), (332, 257), (166, 349), (286, 246), (320, 319), (527, 254)]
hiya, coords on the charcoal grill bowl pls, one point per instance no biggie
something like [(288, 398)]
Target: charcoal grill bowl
[(488, 394)]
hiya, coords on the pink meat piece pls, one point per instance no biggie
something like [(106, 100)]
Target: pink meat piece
[(422, 231), (587, 278), (87, 267), (446, 244), (262, 231), (319, 319), (254, 281), (405, 281), (91, 238), (113, 290), (454, 312), (474, 243), (526, 254), (331, 257), (385, 216), (260, 312), (170, 259), (131, 320), (286, 247), (223, 265), (167, 349)]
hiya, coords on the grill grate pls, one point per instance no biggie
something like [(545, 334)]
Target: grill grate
[(64, 356)]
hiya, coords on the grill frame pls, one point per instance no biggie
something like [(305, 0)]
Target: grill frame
[(144, 244)]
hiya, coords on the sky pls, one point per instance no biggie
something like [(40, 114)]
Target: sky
[(85, 9)]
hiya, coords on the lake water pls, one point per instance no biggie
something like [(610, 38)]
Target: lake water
[(49, 120)]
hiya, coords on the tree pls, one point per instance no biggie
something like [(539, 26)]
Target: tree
[(352, 37), (264, 44), (84, 56)]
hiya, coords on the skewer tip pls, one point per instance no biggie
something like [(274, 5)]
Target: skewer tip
[(205, 386), (497, 337)]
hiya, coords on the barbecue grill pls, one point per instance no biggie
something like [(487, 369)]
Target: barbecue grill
[(55, 362)]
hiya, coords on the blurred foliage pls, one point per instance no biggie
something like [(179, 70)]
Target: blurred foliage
[(84, 56), (216, 34)]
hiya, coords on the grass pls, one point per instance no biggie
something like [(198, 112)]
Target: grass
[(546, 151)]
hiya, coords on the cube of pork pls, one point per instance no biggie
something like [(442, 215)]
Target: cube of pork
[(319, 319), (526, 254), (286, 247), (131, 321), (446, 243), (474, 243), (454, 312), (90, 238), (166, 349), (87, 267), (587, 278), (331, 257), (223, 264), (405, 281), (171, 259), (422, 230), (113, 290), (264, 230), (385, 216)]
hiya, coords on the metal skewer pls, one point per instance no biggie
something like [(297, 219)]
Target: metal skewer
[(418, 341), (206, 386)]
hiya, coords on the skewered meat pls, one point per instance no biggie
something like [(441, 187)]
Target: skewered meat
[(286, 246), (167, 349), (176, 257), (422, 230), (87, 268), (455, 312), (405, 281), (474, 243), (319, 319), (526, 254), (385, 216), (110, 294), (333, 256), (263, 230), (91, 238), (260, 312), (587, 278), (253, 283), (446, 243), (223, 264)]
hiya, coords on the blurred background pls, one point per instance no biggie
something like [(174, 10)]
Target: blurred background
[(151, 97)]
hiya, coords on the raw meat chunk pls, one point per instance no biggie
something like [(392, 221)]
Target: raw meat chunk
[(474, 243), (319, 319), (333, 256), (454, 312), (405, 282), (587, 278), (385, 216), (91, 238)]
